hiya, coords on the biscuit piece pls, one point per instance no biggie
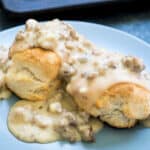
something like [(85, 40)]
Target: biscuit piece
[(4, 91), (33, 74), (124, 103), (121, 105)]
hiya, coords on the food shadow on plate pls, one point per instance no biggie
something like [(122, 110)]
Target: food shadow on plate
[(6, 104), (12, 100), (109, 137)]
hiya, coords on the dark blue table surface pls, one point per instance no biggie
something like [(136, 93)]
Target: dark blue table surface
[(137, 24)]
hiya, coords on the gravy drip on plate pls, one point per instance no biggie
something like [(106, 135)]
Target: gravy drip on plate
[(55, 119)]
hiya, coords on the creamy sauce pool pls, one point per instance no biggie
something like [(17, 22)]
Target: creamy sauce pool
[(56, 119)]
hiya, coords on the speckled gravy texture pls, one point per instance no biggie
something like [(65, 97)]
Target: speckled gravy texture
[(56, 119), (86, 68)]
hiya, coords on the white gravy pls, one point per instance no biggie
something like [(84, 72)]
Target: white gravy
[(86, 68)]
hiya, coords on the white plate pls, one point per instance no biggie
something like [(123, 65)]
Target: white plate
[(109, 139)]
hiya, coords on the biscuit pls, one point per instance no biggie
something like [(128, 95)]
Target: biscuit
[(33, 74)]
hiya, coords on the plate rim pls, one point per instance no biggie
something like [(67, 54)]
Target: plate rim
[(91, 24), (88, 23)]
